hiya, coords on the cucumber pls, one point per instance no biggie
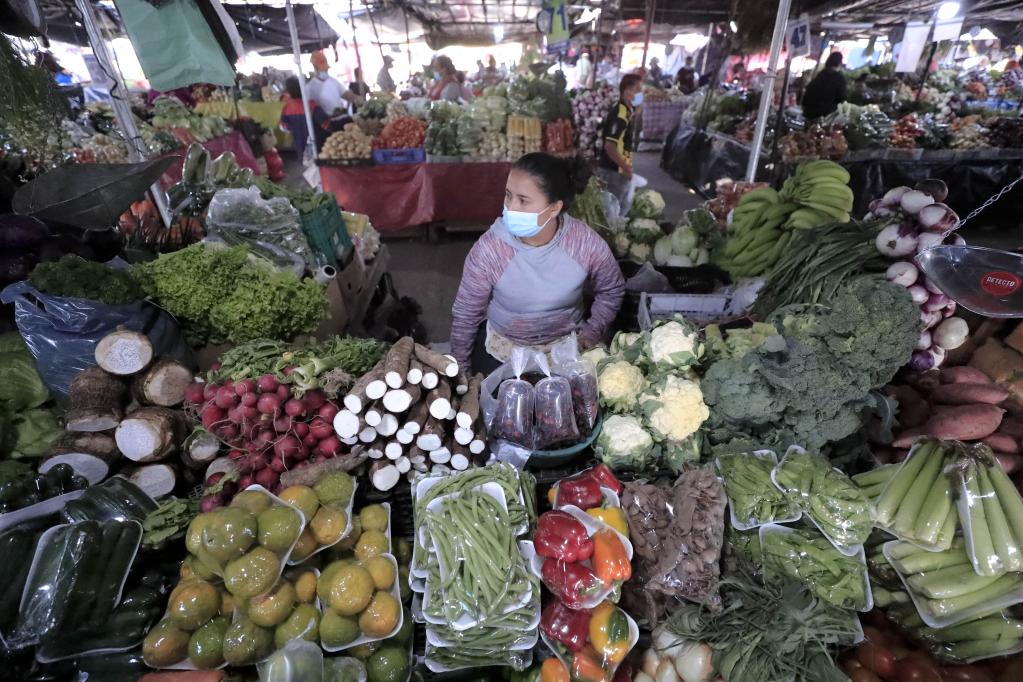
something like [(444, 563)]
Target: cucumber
[(116, 562), (84, 603)]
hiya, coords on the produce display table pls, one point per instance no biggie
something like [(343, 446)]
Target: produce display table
[(659, 119), (267, 114), (232, 142), (399, 196)]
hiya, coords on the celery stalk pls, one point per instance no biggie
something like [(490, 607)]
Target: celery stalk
[(913, 502), (947, 608), (901, 482), (935, 509), (980, 648), (1004, 543), (946, 535), (902, 549), (872, 491), (996, 626), (878, 476), (1010, 500), (932, 561), (945, 583), (985, 561)]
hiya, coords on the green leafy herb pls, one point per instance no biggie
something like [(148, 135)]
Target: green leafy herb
[(75, 277)]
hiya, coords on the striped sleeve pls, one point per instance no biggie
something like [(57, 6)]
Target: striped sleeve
[(484, 266), (604, 278)]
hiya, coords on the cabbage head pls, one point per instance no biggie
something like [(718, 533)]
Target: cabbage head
[(645, 231), (21, 388)]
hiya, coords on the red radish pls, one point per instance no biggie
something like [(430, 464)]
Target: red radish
[(314, 399), (263, 438), (194, 393), (245, 386), (329, 446), (211, 502), (215, 367), (268, 478), (282, 424), (267, 383), (327, 412), (294, 408), (257, 461), (245, 481), (288, 371), (250, 412), (226, 431), (301, 429), (310, 441), (277, 464), (211, 416), (214, 478), (225, 398), (235, 415), (250, 399), (283, 392), (289, 446), (321, 428), (268, 403)]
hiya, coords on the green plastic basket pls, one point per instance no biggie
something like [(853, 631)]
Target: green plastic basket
[(324, 229), (544, 459)]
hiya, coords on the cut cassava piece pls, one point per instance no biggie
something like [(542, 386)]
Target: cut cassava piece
[(430, 380), (368, 435), (309, 475), (439, 400), (156, 480), (373, 415), (461, 383), (384, 475), (403, 465), (150, 434), (464, 436), (479, 442), (388, 425), (96, 401), (200, 448), (89, 454), (399, 400), (396, 362), (346, 424), (356, 398), (443, 364), (404, 437), (417, 418), (124, 352), (163, 384), (393, 450), (415, 372), (469, 409), (432, 435), (440, 456)]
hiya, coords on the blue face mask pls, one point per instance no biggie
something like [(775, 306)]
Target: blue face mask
[(322, 75), (523, 224), (637, 99), (436, 75)]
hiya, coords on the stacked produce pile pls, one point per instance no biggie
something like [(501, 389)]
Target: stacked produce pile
[(348, 144), (589, 107), (634, 239), (402, 132), (481, 607), (558, 136), (525, 135), (816, 143), (764, 220), (695, 235), (541, 97), (917, 220), (727, 194), (169, 113), (646, 382), (414, 412), (489, 112), (866, 127), (451, 131)]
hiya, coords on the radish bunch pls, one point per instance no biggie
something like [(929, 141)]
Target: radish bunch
[(267, 428), (589, 107), (917, 221)]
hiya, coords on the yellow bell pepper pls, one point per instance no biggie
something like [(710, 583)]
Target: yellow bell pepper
[(612, 516), (609, 633)]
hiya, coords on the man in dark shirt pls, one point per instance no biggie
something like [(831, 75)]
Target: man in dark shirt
[(615, 165), (686, 77), (826, 91)]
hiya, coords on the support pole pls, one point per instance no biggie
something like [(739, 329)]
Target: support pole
[(376, 36), (927, 70), (355, 38), (122, 109), (408, 42), (651, 10), (780, 21), (780, 117), (297, 51), (706, 51)]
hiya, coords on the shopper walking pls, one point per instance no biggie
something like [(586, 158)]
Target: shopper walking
[(328, 91), (384, 80), (826, 91), (617, 133)]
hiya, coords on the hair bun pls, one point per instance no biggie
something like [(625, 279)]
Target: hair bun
[(579, 171)]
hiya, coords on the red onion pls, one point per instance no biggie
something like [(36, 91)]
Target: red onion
[(936, 303), (924, 341)]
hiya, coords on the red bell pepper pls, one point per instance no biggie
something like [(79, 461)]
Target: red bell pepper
[(567, 626), (582, 490), (607, 478), (559, 535), (571, 583)]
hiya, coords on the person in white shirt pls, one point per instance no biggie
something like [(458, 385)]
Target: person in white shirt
[(328, 91)]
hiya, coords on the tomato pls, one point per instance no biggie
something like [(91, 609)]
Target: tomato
[(872, 634), (863, 675), (916, 669), (851, 665), (965, 673), (876, 658)]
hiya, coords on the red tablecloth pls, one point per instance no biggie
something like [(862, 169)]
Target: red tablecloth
[(233, 142), (400, 196)]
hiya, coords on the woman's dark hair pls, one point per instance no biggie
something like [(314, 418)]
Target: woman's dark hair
[(628, 81), (444, 64), (834, 60), (292, 87), (558, 179)]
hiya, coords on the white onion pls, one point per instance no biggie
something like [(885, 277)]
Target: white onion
[(951, 333), (914, 200), (891, 242), (893, 196), (902, 273), (927, 240), (925, 340), (919, 294)]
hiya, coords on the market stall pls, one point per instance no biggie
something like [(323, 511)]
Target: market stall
[(233, 142), (267, 114)]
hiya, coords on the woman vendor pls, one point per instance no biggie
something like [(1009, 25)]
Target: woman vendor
[(526, 280)]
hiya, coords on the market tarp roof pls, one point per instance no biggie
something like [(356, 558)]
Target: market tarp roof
[(264, 29)]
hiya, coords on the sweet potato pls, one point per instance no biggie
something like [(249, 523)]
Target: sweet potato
[(1001, 442), (905, 438), (963, 375), (1009, 463), (913, 409), (1011, 427), (965, 422), (924, 382), (968, 394)]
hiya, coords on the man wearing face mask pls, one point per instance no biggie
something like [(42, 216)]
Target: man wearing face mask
[(617, 132), (524, 281), (328, 92)]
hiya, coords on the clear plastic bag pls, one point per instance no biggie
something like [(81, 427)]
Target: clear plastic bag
[(344, 669), (753, 498), (582, 376), (62, 333), (513, 418), (271, 228), (555, 417), (298, 661), (990, 511)]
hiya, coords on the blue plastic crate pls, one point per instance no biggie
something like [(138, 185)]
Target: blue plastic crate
[(395, 156)]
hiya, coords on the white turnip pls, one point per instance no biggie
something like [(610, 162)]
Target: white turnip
[(902, 273), (893, 197), (928, 240), (919, 294), (930, 319), (936, 303), (937, 218), (951, 333), (925, 340), (895, 242), (913, 201)]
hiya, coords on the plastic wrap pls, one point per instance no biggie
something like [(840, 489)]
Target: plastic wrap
[(62, 333), (298, 661), (338, 600), (610, 635), (555, 416), (270, 228), (753, 498), (809, 557), (582, 377), (513, 416), (829, 498), (990, 512), (343, 669), (115, 499), (944, 587), (18, 546), (998, 634)]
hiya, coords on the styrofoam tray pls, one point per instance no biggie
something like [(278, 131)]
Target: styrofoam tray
[(396, 593), (34, 511), (346, 533), (736, 524)]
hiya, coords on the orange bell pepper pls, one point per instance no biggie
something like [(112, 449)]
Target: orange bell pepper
[(586, 667), (610, 561), (553, 670)]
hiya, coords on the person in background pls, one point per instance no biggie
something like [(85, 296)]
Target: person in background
[(465, 92), (492, 75), (686, 77), (738, 75), (617, 132), (584, 71), (384, 80), (328, 91), (607, 70), (826, 91), (293, 118), (526, 281), (445, 80), (359, 86), (654, 74)]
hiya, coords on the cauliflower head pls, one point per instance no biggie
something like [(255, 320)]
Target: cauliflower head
[(620, 245), (627, 345), (647, 203), (625, 444), (645, 230), (620, 384), (595, 355), (639, 253), (675, 409), (674, 343)]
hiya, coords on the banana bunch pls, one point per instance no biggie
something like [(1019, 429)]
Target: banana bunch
[(756, 238), (821, 188)]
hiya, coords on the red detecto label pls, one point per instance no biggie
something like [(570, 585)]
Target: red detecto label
[(999, 283)]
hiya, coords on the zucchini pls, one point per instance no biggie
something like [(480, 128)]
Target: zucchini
[(117, 563), (84, 602)]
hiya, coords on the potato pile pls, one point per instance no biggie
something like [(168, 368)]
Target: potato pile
[(350, 143)]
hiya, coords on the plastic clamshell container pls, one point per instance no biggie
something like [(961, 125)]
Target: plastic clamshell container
[(523, 658), (346, 533), (396, 593), (433, 638), (919, 601), (772, 528), (845, 550), (34, 511), (736, 523)]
